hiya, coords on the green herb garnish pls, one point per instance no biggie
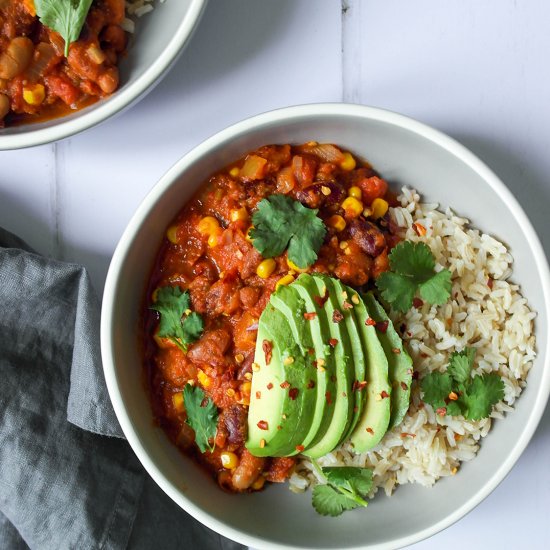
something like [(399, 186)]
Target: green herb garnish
[(202, 416), (455, 392), (345, 488), (281, 222), (66, 17), (412, 269), (177, 322)]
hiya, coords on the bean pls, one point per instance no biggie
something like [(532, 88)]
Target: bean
[(247, 471), (16, 58), (4, 105)]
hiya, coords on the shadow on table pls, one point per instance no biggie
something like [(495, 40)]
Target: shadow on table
[(230, 34)]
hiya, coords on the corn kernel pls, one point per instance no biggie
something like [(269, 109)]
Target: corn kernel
[(245, 387), (352, 207), (337, 222), (348, 163), (355, 192), (379, 208), (259, 483), (229, 460), (326, 190), (172, 234), (234, 172), (230, 392), (247, 236), (208, 225), (240, 214), (343, 245), (215, 237), (295, 268), (266, 268), (283, 281), (204, 379), (177, 400), (34, 94)]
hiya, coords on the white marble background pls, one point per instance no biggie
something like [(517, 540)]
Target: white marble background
[(477, 70)]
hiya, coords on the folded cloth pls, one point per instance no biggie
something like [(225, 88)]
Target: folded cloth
[(68, 479)]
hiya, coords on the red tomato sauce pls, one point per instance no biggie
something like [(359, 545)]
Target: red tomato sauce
[(217, 263), (37, 81)]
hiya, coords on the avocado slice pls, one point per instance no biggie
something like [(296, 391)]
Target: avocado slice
[(400, 367), (289, 302), (280, 410), (344, 374), (346, 297), (307, 289), (375, 417)]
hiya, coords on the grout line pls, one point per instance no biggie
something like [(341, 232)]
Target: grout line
[(352, 63), (55, 201), (345, 8)]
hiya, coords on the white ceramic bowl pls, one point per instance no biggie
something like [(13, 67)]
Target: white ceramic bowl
[(405, 152), (160, 37)]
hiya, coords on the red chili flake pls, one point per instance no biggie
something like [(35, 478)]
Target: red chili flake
[(262, 424), (293, 393), (442, 411), (384, 394), (285, 385), (314, 363), (269, 386), (310, 316), (370, 430), (333, 378), (310, 385), (332, 342), (204, 402), (267, 347), (397, 351), (419, 229), (311, 351), (300, 448), (328, 398), (409, 333), (370, 322), (359, 386), (347, 305), (279, 427), (453, 396), (404, 386), (321, 300), (490, 283), (424, 355), (415, 375), (337, 316), (258, 395), (417, 302), (382, 326), (406, 434), (355, 409)]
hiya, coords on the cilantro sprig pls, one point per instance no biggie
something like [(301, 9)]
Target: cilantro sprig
[(413, 270), (66, 17), (281, 222), (455, 392), (177, 322), (202, 416), (345, 488)]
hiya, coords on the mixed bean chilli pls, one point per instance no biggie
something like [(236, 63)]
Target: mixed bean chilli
[(37, 80), (208, 253)]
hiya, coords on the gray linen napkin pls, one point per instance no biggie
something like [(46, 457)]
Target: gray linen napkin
[(67, 477)]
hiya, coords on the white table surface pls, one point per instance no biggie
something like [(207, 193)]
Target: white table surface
[(476, 70)]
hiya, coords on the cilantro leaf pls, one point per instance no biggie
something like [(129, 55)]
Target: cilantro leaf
[(173, 304), (437, 289), (397, 290), (202, 416), (327, 501), (357, 480), (280, 222), (66, 17), (460, 365), (484, 392), (412, 269), (436, 387), (473, 398)]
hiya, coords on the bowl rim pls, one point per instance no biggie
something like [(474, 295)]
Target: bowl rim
[(119, 100), (288, 114)]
